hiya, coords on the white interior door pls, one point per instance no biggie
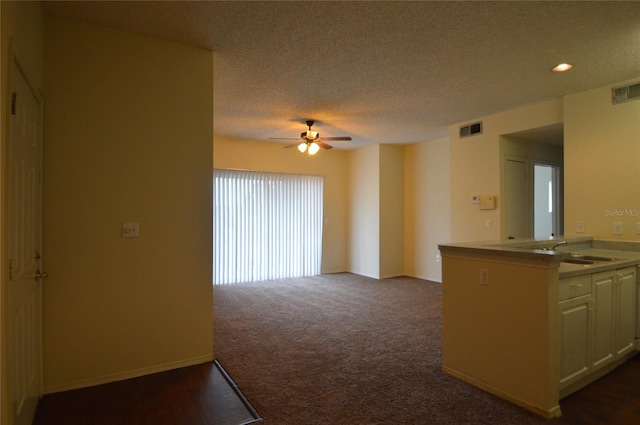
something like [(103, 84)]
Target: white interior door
[(518, 223), (25, 278)]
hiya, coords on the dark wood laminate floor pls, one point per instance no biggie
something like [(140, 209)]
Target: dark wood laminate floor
[(612, 400), (195, 395), (187, 396)]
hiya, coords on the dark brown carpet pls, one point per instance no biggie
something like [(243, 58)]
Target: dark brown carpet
[(346, 349)]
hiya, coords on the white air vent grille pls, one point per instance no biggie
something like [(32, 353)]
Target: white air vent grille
[(625, 93), (471, 129)]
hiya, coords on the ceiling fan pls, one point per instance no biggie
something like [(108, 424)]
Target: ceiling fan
[(311, 141)]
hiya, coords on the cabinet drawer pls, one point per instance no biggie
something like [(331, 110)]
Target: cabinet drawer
[(574, 287)]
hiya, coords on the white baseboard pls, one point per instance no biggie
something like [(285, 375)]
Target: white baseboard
[(550, 412), (121, 376)]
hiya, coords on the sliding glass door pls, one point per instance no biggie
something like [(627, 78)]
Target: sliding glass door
[(266, 226)]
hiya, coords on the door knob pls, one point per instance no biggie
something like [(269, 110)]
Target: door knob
[(40, 275)]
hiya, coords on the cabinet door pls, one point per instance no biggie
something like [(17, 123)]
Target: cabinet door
[(624, 319), (575, 328), (603, 323)]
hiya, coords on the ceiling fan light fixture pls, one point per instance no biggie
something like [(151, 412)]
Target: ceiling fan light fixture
[(313, 148), (310, 141)]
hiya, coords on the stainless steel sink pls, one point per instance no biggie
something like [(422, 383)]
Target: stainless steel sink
[(578, 261), (589, 259), (594, 258)]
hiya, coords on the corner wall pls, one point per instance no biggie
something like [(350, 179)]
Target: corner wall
[(364, 211), (427, 207), (392, 206), (128, 138)]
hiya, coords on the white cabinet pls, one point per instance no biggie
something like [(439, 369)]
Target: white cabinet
[(625, 310), (614, 313), (597, 321), (575, 329), (603, 294)]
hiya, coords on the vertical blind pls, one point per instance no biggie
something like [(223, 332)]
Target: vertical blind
[(266, 226)]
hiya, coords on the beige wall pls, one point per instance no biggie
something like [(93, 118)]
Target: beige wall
[(272, 157), (486, 320), (364, 211), (392, 206), (21, 35), (602, 163), (128, 131), (427, 207), (476, 162), (377, 215)]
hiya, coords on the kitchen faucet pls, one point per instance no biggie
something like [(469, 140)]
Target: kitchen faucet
[(553, 248)]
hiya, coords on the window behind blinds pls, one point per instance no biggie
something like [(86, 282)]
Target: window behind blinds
[(266, 226)]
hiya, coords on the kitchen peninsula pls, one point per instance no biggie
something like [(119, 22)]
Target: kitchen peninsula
[(532, 321)]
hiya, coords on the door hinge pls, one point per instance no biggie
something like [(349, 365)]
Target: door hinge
[(14, 97)]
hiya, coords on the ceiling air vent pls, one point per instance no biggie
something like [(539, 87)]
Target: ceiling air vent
[(625, 93), (471, 129)]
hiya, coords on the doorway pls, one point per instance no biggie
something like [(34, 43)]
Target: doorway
[(518, 191), (546, 200), (531, 183)]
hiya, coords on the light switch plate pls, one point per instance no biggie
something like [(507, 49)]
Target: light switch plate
[(130, 230)]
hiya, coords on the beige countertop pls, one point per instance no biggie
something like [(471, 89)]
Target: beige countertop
[(625, 253)]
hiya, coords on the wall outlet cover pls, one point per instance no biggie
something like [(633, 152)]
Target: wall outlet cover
[(617, 228)]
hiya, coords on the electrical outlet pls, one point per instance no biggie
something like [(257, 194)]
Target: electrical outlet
[(579, 226), (484, 277), (617, 228), (437, 258)]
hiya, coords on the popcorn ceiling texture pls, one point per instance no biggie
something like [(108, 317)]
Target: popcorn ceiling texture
[(383, 72)]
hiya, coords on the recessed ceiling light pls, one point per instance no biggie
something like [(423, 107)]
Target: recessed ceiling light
[(562, 67)]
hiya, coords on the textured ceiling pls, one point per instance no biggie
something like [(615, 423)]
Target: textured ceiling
[(383, 72)]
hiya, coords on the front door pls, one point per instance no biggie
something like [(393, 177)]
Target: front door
[(25, 251)]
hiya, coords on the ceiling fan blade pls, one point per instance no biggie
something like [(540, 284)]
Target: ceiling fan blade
[(283, 138), (336, 138), (323, 145), (291, 145)]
